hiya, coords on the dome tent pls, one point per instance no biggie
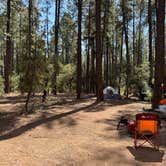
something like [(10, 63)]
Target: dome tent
[(110, 93)]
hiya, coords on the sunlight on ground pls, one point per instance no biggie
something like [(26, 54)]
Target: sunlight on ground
[(77, 132)]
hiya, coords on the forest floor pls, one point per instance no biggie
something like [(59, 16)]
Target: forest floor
[(68, 132)]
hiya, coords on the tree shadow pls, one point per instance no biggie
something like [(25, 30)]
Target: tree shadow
[(8, 120), (108, 156), (112, 103), (146, 154), (68, 121), (97, 108), (12, 99), (117, 102), (71, 100), (112, 125), (65, 100), (43, 120)]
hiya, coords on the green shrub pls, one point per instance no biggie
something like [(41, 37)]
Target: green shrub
[(66, 78), (15, 81), (47, 80), (139, 81), (1, 85), (32, 76)]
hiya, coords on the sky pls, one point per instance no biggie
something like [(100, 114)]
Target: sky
[(51, 10)]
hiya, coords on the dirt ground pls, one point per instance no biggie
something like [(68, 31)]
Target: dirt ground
[(67, 132)]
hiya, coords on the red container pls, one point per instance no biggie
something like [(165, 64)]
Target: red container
[(163, 102), (131, 126), (146, 116)]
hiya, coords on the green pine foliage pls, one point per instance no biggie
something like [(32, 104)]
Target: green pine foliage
[(32, 76), (15, 81), (66, 78), (139, 81), (1, 85), (33, 68)]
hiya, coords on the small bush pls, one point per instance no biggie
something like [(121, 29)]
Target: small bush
[(139, 81), (15, 81), (66, 78), (1, 85)]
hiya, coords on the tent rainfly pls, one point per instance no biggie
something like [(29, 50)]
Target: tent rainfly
[(110, 93)]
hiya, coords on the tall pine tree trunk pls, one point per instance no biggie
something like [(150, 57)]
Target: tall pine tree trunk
[(125, 28), (47, 54), (47, 28), (8, 56), (98, 52), (105, 40), (88, 51), (121, 59), (134, 58), (150, 42), (79, 61), (107, 62), (93, 82), (56, 37), (139, 58), (160, 53), (29, 51)]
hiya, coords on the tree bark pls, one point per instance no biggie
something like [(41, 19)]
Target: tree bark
[(121, 59), (7, 59), (160, 53), (88, 51), (127, 47), (150, 42), (107, 62), (134, 58), (105, 39), (113, 58), (47, 28), (56, 37), (79, 60), (98, 52), (93, 82), (139, 58), (29, 52)]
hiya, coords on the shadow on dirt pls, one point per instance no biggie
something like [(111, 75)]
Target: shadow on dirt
[(10, 119), (12, 99), (43, 120), (146, 154)]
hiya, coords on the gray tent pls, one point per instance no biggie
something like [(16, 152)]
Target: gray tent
[(110, 93)]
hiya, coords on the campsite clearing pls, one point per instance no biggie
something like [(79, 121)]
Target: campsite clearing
[(65, 132)]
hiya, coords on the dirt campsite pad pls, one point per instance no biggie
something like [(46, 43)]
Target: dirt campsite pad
[(64, 132)]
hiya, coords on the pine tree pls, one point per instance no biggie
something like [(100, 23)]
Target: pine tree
[(79, 61), (56, 39), (8, 59), (160, 53), (98, 52)]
